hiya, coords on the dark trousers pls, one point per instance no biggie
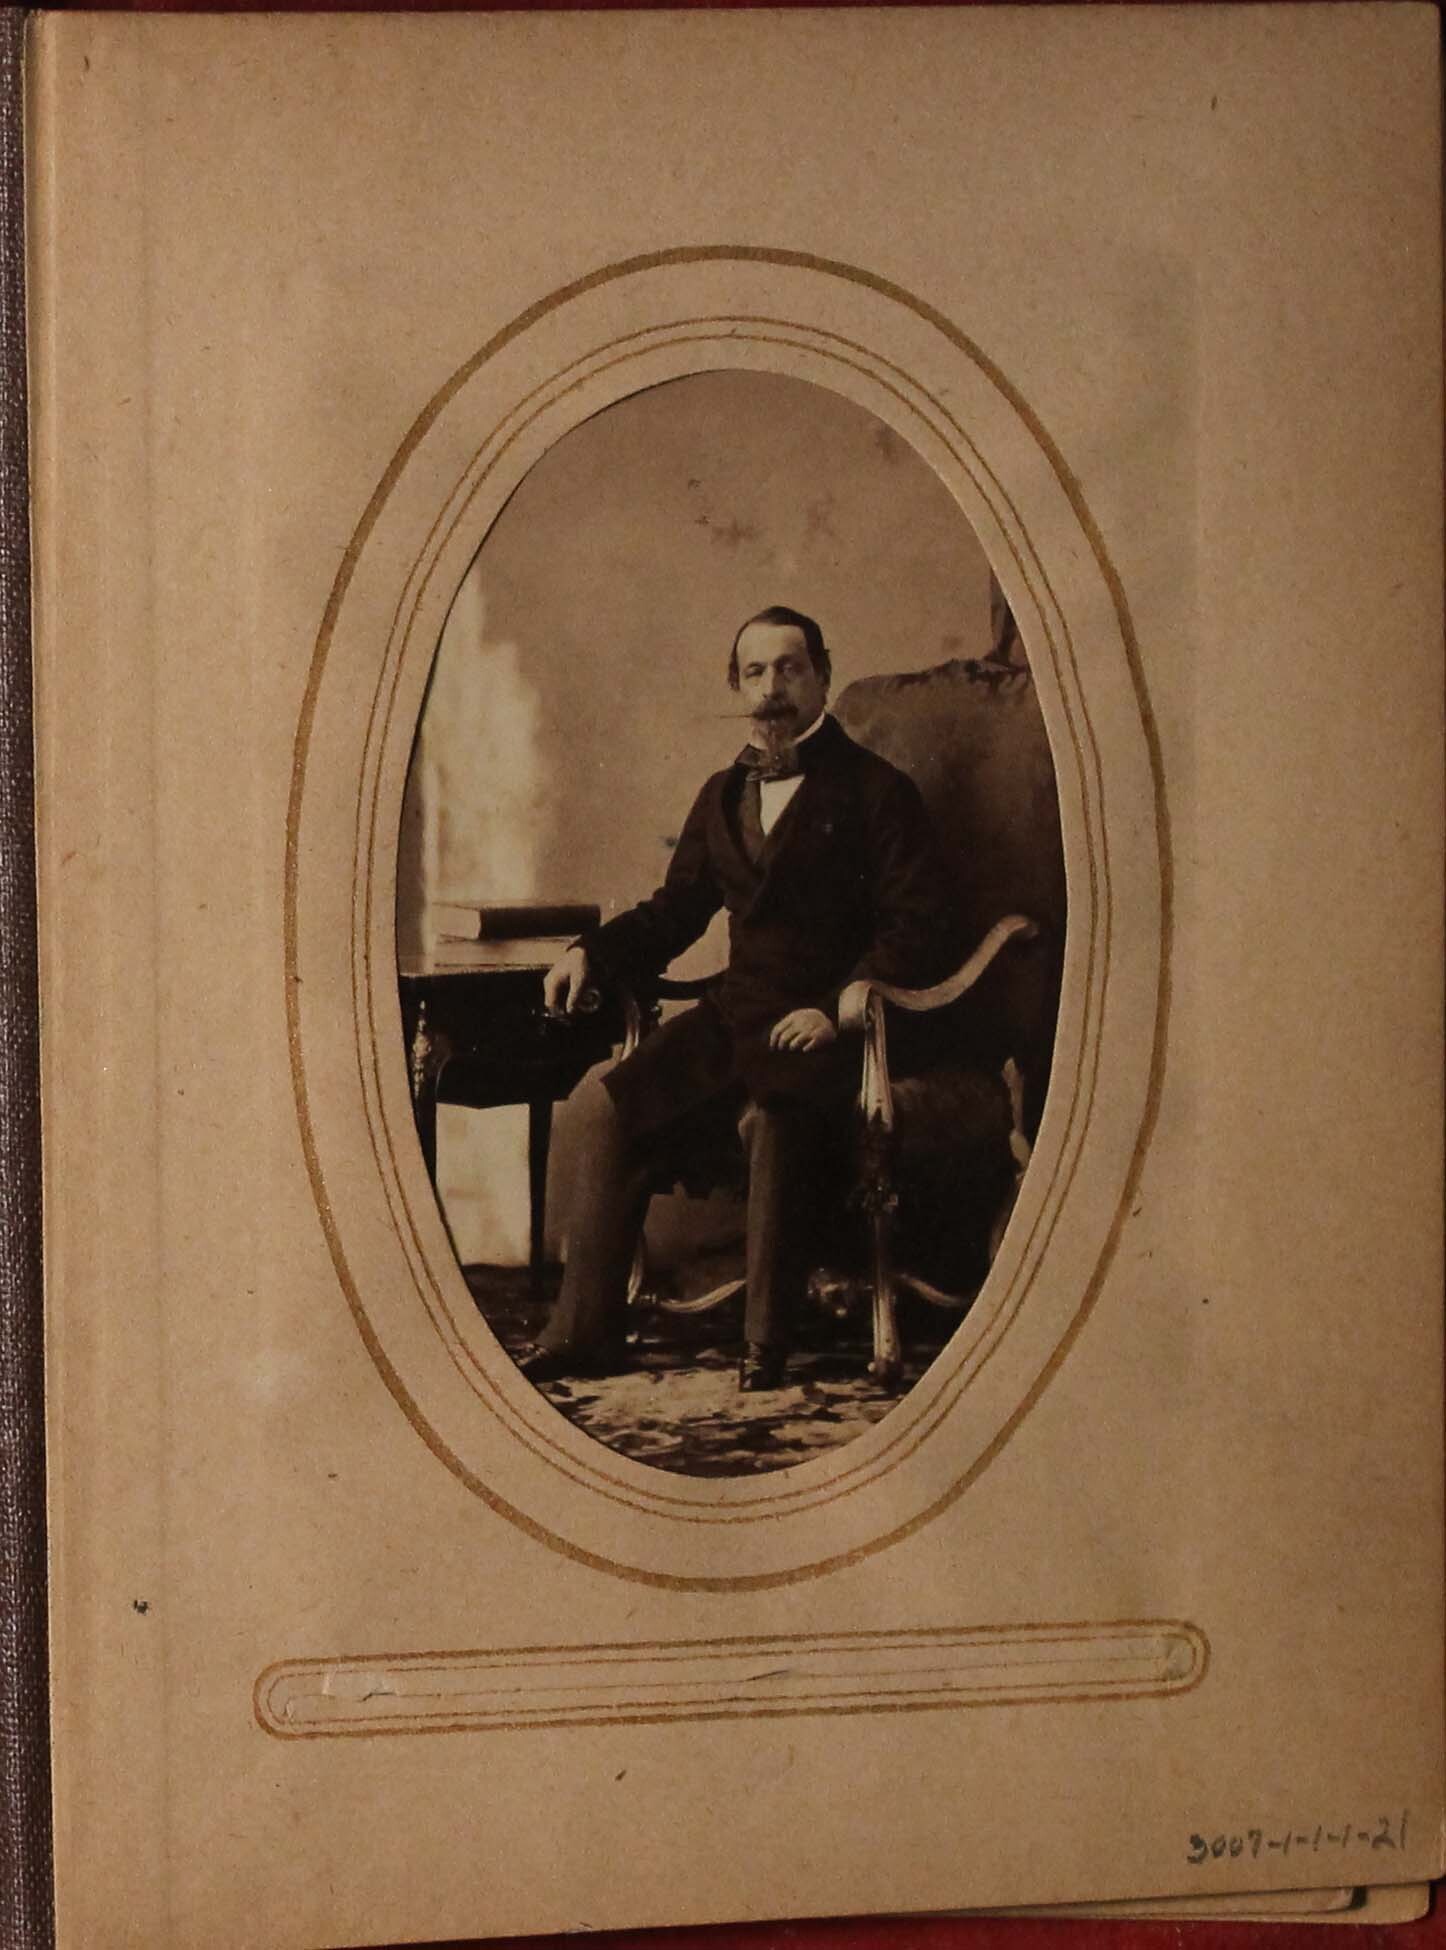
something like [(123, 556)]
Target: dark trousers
[(610, 1199)]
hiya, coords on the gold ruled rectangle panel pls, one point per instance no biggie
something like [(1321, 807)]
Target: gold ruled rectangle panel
[(861, 1672)]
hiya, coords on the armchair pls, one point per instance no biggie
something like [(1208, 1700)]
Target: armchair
[(941, 1144), (888, 1109)]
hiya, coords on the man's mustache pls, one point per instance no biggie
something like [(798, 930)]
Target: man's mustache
[(763, 712)]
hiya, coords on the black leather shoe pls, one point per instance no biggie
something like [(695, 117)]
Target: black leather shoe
[(539, 1364), (762, 1368)]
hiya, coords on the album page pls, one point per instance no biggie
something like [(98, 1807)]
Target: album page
[(739, 751)]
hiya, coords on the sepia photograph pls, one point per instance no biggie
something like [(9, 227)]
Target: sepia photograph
[(731, 912)]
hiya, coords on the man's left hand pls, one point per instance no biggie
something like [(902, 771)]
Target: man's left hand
[(802, 1029)]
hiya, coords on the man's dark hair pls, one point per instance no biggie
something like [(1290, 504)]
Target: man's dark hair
[(779, 613)]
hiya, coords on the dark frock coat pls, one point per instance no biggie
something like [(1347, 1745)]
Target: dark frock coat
[(846, 886)]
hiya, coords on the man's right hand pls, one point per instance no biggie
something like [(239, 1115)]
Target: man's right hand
[(564, 982)]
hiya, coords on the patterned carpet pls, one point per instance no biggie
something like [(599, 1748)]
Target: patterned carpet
[(678, 1406)]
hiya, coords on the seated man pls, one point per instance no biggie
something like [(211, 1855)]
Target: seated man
[(820, 852)]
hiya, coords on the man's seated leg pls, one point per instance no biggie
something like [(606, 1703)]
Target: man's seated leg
[(586, 1329), (785, 1143)]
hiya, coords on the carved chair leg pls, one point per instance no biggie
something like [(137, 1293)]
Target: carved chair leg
[(1020, 1149), (887, 1364), (705, 1302), (953, 1303), (638, 1295), (641, 1293)]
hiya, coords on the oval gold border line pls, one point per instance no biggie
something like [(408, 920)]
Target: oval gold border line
[(684, 255), (908, 1435)]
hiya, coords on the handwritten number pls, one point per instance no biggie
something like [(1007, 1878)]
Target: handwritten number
[(1200, 1850)]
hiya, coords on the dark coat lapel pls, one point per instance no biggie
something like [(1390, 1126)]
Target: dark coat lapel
[(735, 866)]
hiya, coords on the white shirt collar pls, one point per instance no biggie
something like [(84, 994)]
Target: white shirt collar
[(804, 736)]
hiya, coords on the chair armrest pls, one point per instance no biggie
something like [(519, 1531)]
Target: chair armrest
[(670, 989), (861, 1008), (853, 1003)]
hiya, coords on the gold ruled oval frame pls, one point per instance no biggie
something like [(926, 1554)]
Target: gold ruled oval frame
[(733, 1502)]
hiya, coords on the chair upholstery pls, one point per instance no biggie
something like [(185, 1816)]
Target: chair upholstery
[(970, 734)]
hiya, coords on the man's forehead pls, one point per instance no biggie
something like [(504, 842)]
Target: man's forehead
[(766, 640)]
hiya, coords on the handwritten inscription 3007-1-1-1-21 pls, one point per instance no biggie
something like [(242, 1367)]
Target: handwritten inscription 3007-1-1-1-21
[(1382, 1832)]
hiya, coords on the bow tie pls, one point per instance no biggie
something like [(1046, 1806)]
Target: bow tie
[(761, 766)]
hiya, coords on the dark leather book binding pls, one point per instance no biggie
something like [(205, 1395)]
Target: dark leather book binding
[(514, 921), (26, 1907)]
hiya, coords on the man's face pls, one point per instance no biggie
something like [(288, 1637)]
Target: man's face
[(777, 680)]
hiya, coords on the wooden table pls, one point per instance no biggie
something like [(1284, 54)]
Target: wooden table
[(477, 1035)]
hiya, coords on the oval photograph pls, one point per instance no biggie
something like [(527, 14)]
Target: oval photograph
[(730, 919)]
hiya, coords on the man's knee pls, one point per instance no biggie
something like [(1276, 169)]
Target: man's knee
[(597, 1139), (592, 1111), (757, 1123), (786, 1127)]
